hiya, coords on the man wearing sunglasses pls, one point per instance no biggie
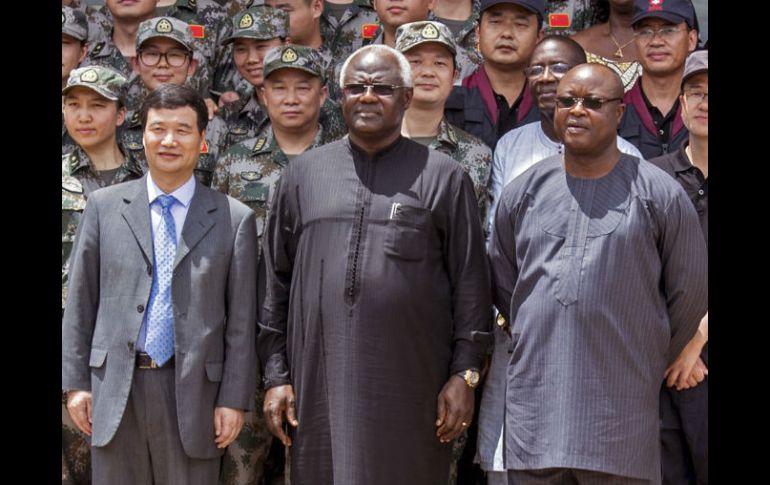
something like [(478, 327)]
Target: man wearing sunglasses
[(600, 267), (377, 303), (665, 32), (516, 152)]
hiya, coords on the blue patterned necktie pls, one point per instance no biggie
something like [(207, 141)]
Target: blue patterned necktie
[(160, 319)]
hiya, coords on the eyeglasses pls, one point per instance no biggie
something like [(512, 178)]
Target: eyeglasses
[(666, 33), (358, 89), (174, 57), (587, 102), (558, 69), (696, 97)]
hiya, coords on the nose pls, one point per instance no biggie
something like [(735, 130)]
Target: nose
[(368, 95), (168, 139)]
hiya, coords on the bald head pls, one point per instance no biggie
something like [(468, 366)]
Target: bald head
[(378, 53), (596, 76)]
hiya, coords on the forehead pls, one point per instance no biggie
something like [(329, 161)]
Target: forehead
[(83, 93), (68, 38), (287, 3), (434, 49), (698, 81), (247, 42), (382, 66), (587, 82), (550, 52), (161, 43), (184, 115)]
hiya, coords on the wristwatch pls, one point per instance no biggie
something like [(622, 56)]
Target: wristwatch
[(471, 377)]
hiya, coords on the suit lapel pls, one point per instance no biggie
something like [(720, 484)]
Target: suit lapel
[(137, 215), (199, 221)]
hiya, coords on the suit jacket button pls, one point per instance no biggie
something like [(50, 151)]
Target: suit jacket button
[(140, 308)]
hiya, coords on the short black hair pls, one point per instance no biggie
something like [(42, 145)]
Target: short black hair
[(574, 50), (171, 96)]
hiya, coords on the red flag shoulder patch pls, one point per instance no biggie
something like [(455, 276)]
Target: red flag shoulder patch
[(558, 20), (198, 31), (368, 30)]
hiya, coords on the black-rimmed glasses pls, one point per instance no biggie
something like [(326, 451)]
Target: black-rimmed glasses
[(588, 102), (358, 89), (174, 57)]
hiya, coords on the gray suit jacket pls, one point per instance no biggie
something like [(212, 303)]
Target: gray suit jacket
[(214, 295)]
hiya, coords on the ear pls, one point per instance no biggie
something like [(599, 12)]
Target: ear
[(324, 95), (619, 112), (203, 140), (121, 116), (692, 40), (431, 4), (317, 7), (135, 64), (83, 52), (192, 67), (540, 34), (408, 92)]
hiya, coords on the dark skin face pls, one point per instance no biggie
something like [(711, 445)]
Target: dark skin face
[(374, 121), (586, 133), (548, 53)]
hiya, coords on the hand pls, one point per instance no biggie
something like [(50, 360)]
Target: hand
[(228, 97), (678, 372), (212, 107), (455, 409), (80, 407), (227, 424), (279, 400), (699, 372)]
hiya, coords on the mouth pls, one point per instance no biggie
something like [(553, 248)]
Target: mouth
[(574, 128), (657, 56), (164, 78), (396, 10), (506, 48), (168, 155), (291, 114), (85, 131), (426, 87)]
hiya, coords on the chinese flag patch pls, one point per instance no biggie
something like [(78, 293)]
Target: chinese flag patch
[(558, 20), (198, 31), (368, 30), (205, 147)]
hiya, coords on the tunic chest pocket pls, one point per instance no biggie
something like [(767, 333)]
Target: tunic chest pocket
[(407, 234), (257, 196)]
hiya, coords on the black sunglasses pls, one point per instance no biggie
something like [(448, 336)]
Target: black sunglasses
[(587, 102)]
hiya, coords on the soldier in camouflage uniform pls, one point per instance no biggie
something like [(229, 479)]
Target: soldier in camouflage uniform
[(346, 27), (466, 38), (74, 38), (93, 108), (431, 49), (567, 17), (249, 171), (165, 55)]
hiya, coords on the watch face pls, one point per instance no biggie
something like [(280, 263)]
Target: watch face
[(472, 377)]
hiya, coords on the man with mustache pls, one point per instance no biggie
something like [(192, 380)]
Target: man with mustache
[(600, 266), (665, 34), (377, 306), (496, 98)]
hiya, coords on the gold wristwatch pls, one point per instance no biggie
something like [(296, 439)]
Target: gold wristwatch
[(471, 377)]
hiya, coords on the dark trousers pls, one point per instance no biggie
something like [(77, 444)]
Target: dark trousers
[(684, 435), (147, 448), (569, 476)]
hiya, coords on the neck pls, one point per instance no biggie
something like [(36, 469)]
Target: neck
[(591, 166), (620, 18), (106, 156), (509, 83), (453, 9), (315, 41), (295, 141), (698, 152), (546, 123), (389, 36), (662, 91), (165, 3), (124, 37), (419, 121), (373, 144), (169, 182)]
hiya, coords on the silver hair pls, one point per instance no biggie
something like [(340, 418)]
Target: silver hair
[(405, 71)]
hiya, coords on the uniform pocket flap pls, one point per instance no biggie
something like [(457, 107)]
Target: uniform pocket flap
[(214, 371), (98, 357)]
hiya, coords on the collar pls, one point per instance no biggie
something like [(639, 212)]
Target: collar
[(446, 134), (680, 161), (480, 80), (636, 98), (183, 194)]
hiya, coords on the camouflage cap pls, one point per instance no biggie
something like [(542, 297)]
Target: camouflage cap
[(260, 23), (168, 27), (105, 81), (295, 57), (415, 33), (74, 23)]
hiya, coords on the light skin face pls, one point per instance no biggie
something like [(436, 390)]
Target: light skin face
[(374, 121), (72, 54), (544, 86), (249, 57), (302, 17), (585, 131), (433, 73), (663, 56), (695, 114), (172, 144), (131, 9), (90, 118), (293, 99), (508, 34), (394, 13), (162, 72)]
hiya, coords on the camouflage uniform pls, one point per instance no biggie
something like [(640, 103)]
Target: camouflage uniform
[(75, 24), (344, 36), (581, 14), (468, 57)]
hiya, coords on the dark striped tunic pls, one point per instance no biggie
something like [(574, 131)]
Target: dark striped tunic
[(377, 286), (604, 281)]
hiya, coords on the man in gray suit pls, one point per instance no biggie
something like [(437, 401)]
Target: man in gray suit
[(158, 340), (600, 266)]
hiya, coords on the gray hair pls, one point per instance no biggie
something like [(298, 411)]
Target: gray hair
[(405, 71)]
